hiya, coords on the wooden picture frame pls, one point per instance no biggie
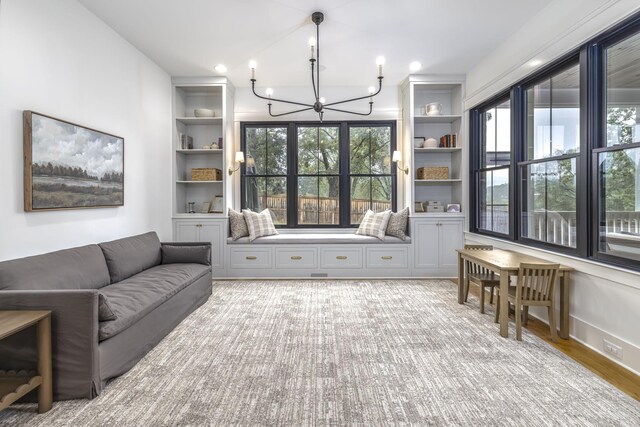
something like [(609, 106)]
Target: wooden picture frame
[(453, 208), (68, 166)]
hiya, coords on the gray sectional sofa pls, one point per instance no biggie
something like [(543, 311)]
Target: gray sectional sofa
[(111, 304)]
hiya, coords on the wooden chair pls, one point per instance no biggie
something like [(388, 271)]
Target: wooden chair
[(536, 287), (481, 276)]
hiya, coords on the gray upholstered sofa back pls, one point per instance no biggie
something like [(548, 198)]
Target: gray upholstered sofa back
[(83, 267), (131, 255)]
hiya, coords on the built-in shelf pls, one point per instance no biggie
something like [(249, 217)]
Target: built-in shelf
[(198, 215), (200, 120), (199, 182), (437, 119), (437, 150), (439, 214), (199, 151), (435, 181)]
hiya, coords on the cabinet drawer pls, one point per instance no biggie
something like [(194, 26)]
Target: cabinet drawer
[(384, 257), (296, 258), (341, 258), (250, 258)]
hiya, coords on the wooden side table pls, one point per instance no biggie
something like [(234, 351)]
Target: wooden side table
[(14, 385)]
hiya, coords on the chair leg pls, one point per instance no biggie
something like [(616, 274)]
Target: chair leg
[(466, 291), (525, 315), (552, 324), (491, 299), (518, 322), (495, 320), (481, 299)]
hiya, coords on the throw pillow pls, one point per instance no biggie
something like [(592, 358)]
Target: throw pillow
[(186, 254), (259, 224), (398, 224), (374, 224), (104, 309), (237, 224)]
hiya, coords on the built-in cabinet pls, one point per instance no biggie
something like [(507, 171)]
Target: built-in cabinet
[(436, 241), (203, 230)]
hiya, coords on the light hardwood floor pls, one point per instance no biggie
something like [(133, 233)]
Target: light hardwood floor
[(625, 380)]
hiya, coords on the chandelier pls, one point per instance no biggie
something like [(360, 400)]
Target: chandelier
[(319, 105)]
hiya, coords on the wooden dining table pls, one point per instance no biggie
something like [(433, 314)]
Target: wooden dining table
[(507, 263)]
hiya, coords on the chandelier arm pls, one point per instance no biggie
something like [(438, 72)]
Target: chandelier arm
[(253, 88), (352, 112), (289, 112), (358, 98), (318, 59)]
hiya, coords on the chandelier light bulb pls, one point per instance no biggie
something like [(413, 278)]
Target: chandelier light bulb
[(269, 92), (312, 41), (252, 65), (371, 90), (322, 100), (220, 68), (415, 66), (380, 62)]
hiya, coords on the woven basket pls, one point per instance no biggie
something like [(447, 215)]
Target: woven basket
[(206, 174), (433, 172)]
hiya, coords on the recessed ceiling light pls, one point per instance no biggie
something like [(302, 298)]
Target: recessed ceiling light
[(221, 68), (415, 66), (535, 62)]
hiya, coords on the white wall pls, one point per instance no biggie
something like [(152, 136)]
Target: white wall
[(59, 59), (605, 301)]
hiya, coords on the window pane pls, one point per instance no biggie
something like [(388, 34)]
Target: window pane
[(370, 150), (623, 92), (553, 115), (318, 200), (494, 201), (318, 150), (360, 198), (276, 151), (496, 137), (549, 202), (620, 203), (261, 193), (255, 151), (380, 193)]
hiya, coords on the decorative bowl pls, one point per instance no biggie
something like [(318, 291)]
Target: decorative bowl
[(204, 112)]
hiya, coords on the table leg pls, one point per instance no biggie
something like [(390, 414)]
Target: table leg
[(461, 264), (564, 305), (504, 303), (45, 391)]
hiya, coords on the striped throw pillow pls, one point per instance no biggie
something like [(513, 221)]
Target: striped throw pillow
[(374, 224), (259, 224)]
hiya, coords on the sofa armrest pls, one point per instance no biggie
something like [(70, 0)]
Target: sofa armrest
[(74, 339), (186, 252)]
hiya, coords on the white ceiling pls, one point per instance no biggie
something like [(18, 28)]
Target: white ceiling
[(189, 37)]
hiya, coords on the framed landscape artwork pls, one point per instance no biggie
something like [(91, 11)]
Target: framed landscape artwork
[(67, 166)]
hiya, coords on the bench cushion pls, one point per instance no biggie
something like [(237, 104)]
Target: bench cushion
[(131, 255), (77, 268), (137, 296), (317, 238)]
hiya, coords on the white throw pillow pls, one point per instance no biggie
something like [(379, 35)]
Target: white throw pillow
[(374, 224), (259, 224)]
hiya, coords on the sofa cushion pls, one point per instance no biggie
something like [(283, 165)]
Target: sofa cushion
[(237, 224), (186, 254), (137, 296), (105, 312), (374, 224), (83, 267), (397, 225), (259, 224), (131, 255)]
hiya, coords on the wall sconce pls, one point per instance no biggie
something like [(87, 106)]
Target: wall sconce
[(397, 158), (239, 161)]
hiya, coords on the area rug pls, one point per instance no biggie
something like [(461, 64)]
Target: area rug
[(334, 353)]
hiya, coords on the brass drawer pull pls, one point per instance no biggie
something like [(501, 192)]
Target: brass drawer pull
[(341, 257), (296, 257), (387, 257), (251, 257)]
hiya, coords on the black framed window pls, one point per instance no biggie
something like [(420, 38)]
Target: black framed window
[(318, 175), (618, 157), (493, 173), (575, 144), (549, 172)]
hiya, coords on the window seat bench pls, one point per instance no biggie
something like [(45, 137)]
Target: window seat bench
[(318, 238)]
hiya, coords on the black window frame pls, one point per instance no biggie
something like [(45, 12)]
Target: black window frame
[(592, 71), (344, 166)]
